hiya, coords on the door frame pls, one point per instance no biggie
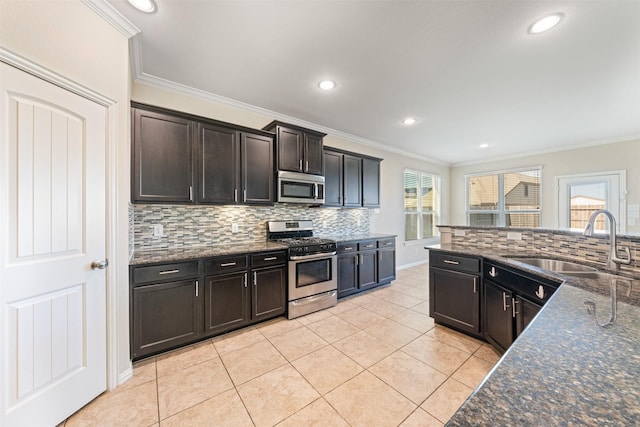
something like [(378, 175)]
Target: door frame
[(112, 273)]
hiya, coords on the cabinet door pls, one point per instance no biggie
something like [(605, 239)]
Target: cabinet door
[(226, 303), (268, 293), (386, 265), (257, 169), (163, 316), (367, 269), (370, 183), (219, 160), (313, 154), (525, 312), (290, 149), (332, 179), (352, 181), (454, 299), (498, 315), (162, 158), (347, 274)]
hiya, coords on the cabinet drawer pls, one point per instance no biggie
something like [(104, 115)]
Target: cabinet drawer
[(268, 258), (387, 243), (346, 247), (165, 272), (223, 265), (454, 262), (536, 289), (368, 245)]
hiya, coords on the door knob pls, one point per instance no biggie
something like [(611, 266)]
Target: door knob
[(99, 264)]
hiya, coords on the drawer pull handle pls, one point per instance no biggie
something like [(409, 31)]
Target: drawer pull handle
[(271, 258), (493, 272), (540, 292), (169, 272), (196, 288), (368, 246), (227, 264), (348, 248), (446, 261)]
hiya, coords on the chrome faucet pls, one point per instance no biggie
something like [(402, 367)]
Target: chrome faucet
[(613, 262)]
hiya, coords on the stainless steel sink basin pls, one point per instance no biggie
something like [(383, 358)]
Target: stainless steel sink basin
[(564, 267)]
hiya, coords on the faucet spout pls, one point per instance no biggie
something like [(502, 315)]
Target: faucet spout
[(613, 262)]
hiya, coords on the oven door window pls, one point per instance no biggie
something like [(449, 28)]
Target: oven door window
[(296, 189), (312, 272)]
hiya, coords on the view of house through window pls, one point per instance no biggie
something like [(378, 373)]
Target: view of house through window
[(421, 205), (504, 199)]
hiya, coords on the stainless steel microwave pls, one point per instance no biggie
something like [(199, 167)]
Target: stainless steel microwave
[(294, 187)]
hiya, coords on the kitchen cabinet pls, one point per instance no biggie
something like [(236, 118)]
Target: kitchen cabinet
[(299, 149), (512, 299), (165, 310), (162, 158), (365, 264), (180, 158), (351, 179), (454, 291), (234, 167)]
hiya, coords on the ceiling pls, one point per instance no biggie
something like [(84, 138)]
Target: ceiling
[(468, 71)]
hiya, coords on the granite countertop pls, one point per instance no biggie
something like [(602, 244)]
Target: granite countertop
[(564, 369), (183, 254), (356, 236)]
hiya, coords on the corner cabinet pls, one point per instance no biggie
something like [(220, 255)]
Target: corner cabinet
[(162, 158), (364, 264), (351, 179), (299, 149), (455, 290), (180, 158)]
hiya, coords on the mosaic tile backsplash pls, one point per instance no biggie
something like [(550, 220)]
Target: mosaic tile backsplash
[(187, 225), (557, 243)]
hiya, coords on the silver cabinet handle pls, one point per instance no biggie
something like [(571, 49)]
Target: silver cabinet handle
[(348, 248), (493, 272), (99, 264), (227, 264), (271, 258), (300, 163), (196, 288), (357, 259), (306, 166), (446, 261), (475, 285), (513, 306), (255, 278), (245, 280), (361, 259), (244, 195), (169, 272), (235, 195), (191, 192), (504, 301)]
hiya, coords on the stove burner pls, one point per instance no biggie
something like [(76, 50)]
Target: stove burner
[(291, 241), (298, 236)]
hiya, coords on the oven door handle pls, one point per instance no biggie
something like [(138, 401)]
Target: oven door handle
[(314, 256)]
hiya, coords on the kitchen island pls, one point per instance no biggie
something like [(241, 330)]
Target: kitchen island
[(563, 369)]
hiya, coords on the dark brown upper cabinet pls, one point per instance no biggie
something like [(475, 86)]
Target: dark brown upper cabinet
[(162, 158), (181, 158), (351, 179), (299, 149)]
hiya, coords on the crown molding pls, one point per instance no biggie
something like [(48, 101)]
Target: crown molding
[(113, 17)]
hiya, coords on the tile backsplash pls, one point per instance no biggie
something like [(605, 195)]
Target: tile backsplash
[(546, 242), (189, 225)]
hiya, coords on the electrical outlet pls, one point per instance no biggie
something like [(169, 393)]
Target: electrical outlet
[(158, 230), (514, 235), (459, 233), (324, 224), (234, 227)]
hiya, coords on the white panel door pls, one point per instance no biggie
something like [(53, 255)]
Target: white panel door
[(52, 222)]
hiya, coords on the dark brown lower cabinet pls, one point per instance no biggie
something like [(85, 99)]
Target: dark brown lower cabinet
[(367, 269), (226, 304), (454, 299), (347, 274), (164, 316), (498, 315), (268, 293), (386, 265), (365, 264)]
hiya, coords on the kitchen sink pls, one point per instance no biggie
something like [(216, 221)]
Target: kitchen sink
[(564, 267), (597, 275)]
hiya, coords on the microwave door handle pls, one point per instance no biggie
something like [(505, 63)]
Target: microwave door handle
[(315, 191)]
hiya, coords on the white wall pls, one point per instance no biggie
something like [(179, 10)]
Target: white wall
[(391, 216), (617, 156), (70, 39)]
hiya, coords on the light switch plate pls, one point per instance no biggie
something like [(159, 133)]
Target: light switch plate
[(459, 233), (234, 227), (158, 230)]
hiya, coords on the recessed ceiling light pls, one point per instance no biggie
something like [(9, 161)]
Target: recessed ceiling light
[(409, 121), (326, 84), (484, 145), (147, 6), (546, 23)]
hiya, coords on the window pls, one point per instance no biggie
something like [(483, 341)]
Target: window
[(421, 205), (581, 195), (504, 199)]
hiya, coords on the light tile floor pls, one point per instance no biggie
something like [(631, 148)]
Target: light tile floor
[(376, 359)]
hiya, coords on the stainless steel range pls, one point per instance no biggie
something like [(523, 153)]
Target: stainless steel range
[(312, 282)]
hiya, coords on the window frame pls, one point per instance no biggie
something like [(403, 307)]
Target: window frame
[(502, 212), (419, 210)]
